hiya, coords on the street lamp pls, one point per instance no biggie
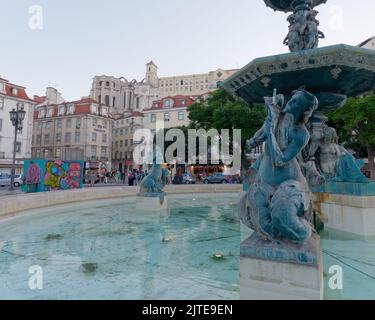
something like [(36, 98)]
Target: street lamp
[(16, 116)]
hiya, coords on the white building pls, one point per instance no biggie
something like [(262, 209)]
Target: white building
[(123, 95), (10, 96)]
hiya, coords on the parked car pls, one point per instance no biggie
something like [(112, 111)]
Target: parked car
[(5, 180), (188, 178), (216, 178)]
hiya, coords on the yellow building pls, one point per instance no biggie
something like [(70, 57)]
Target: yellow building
[(124, 127)]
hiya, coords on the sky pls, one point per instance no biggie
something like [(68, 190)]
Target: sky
[(79, 39)]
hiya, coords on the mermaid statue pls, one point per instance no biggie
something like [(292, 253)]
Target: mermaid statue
[(153, 184), (278, 204)]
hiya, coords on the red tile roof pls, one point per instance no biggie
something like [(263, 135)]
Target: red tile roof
[(177, 102), (21, 94)]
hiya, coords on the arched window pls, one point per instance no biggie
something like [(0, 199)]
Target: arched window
[(124, 100), (130, 100), (114, 101), (100, 99), (107, 100)]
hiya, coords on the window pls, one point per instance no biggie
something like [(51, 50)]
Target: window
[(47, 139), (104, 138), (121, 155), (68, 123), (153, 117), (38, 153), (183, 102), (121, 132), (1, 87), (58, 137), (116, 144), (181, 115), (39, 139), (59, 123), (61, 110), (103, 152), (94, 122), (15, 91), (121, 143), (167, 117), (126, 143), (94, 137), (104, 123), (68, 138), (93, 152), (46, 153), (1, 103), (167, 103), (94, 108), (42, 113), (40, 124), (48, 124), (78, 123), (1, 124), (107, 100), (137, 103), (57, 152), (78, 137), (71, 108)]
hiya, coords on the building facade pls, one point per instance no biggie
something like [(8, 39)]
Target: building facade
[(171, 112), (123, 144), (10, 96), (78, 130), (122, 95)]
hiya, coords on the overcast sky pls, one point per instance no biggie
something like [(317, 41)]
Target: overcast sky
[(84, 38)]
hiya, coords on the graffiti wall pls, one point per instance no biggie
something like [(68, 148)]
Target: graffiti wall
[(48, 175)]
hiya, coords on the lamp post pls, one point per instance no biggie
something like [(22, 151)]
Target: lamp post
[(16, 116)]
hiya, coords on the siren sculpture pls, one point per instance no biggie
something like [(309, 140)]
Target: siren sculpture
[(151, 194), (278, 203)]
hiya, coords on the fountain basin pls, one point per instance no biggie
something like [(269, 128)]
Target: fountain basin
[(331, 73)]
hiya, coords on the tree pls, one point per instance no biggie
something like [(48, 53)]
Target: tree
[(221, 111), (355, 124)]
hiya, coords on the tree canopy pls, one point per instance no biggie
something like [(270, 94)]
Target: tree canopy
[(222, 111), (355, 124)]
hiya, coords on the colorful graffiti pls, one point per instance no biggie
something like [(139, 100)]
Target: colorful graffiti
[(46, 175)]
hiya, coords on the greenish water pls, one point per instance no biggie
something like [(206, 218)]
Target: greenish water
[(108, 250)]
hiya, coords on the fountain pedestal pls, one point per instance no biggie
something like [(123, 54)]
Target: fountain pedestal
[(348, 212), (273, 271), (155, 203)]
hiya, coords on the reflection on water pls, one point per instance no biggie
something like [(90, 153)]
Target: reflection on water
[(107, 250), (356, 256)]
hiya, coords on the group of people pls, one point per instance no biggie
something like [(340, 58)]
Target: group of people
[(133, 177)]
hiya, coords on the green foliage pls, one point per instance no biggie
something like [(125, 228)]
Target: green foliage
[(222, 111), (357, 115)]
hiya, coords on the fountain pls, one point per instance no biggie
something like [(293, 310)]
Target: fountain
[(282, 258), (151, 196)]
